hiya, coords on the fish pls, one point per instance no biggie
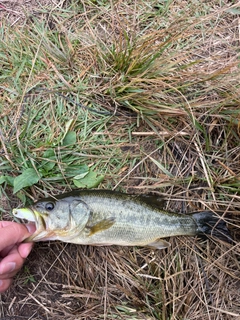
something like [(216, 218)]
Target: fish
[(105, 217)]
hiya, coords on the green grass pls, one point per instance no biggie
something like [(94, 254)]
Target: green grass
[(155, 71), (159, 82)]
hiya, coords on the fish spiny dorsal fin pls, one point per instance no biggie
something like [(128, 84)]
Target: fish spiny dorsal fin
[(153, 200)]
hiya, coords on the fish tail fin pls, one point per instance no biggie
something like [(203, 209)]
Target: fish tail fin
[(209, 223)]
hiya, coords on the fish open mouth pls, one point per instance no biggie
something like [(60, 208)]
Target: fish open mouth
[(28, 215)]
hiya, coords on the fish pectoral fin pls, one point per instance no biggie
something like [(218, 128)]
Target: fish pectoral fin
[(100, 226), (159, 244)]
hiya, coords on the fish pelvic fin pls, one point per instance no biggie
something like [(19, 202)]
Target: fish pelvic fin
[(100, 226), (211, 224)]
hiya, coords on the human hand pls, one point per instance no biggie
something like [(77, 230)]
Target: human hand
[(12, 252)]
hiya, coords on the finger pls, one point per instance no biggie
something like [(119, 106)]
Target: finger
[(4, 223), (24, 249), (11, 264), (6, 250), (12, 233), (5, 284)]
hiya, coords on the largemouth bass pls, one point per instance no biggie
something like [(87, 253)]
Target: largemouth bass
[(104, 217)]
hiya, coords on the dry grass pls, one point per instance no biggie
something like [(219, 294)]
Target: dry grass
[(190, 281), (170, 72)]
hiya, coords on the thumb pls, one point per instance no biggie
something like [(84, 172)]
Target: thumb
[(12, 233)]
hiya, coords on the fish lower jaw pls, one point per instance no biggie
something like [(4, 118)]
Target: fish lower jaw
[(40, 235)]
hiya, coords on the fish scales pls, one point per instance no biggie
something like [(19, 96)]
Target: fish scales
[(135, 220)]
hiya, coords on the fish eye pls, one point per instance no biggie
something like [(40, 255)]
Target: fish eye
[(49, 206)]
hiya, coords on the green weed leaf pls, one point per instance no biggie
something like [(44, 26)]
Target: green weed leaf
[(48, 165), (76, 170), (8, 179), (26, 179), (81, 175), (234, 10), (91, 180), (70, 138)]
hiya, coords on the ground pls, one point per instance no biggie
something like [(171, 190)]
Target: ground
[(160, 81)]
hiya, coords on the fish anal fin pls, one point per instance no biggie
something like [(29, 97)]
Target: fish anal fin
[(101, 226), (159, 244)]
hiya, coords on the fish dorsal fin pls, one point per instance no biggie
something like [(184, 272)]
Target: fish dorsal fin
[(154, 200), (100, 226), (159, 244)]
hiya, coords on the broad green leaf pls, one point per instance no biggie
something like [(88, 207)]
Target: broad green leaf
[(8, 179), (2, 179), (68, 128), (22, 196), (75, 170), (81, 176), (49, 153), (91, 180), (48, 165), (70, 138), (26, 179)]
